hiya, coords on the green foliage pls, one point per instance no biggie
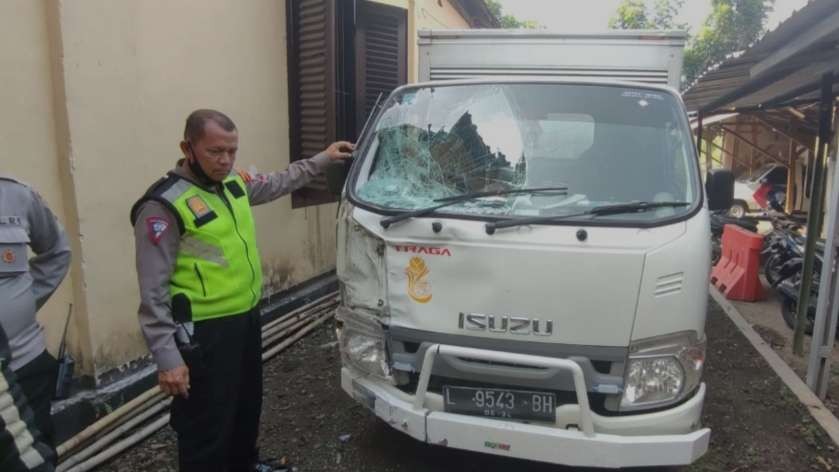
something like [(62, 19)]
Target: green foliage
[(637, 14), (631, 14), (665, 12), (509, 21), (731, 26)]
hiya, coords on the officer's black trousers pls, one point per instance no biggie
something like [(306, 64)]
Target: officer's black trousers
[(218, 424), (37, 379)]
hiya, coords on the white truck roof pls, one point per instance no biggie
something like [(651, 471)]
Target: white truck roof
[(639, 56), (541, 80)]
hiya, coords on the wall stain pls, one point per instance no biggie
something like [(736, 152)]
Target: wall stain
[(118, 352), (277, 275)]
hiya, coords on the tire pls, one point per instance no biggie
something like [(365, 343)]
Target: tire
[(788, 311), (738, 209), (770, 269)]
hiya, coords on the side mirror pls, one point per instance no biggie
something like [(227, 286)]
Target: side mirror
[(336, 174), (719, 186)]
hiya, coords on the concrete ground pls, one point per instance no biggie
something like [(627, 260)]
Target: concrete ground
[(756, 423), (765, 317)]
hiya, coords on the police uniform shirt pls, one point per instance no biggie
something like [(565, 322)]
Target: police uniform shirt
[(158, 238), (25, 284)]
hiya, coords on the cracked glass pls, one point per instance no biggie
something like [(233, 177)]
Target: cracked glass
[(606, 144)]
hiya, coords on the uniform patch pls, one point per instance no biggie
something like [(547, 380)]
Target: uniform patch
[(197, 206), (245, 175), (8, 256), (156, 227)]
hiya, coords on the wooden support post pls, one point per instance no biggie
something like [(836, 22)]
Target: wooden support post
[(709, 155), (788, 203)]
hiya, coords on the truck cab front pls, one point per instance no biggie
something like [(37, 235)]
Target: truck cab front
[(523, 271)]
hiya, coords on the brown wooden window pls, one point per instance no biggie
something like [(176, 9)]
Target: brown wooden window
[(381, 55), (341, 55)]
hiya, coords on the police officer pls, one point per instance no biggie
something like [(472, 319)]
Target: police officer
[(200, 282), (25, 285)]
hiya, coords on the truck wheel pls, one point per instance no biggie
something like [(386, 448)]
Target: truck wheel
[(738, 209)]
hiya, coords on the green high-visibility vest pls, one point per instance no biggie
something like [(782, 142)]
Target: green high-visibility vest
[(217, 267)]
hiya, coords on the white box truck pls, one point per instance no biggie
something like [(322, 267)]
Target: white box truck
[(650, 57), (523, 259)]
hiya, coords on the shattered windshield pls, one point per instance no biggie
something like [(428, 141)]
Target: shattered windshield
[(606, 144)]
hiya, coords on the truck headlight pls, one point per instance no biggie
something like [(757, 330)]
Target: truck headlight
[(362, 345), (662, 370)]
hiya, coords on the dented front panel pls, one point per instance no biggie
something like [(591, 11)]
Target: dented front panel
[(360, 266), (587, 291)]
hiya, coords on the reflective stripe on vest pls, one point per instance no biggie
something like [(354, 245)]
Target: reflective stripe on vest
[(217, 266)]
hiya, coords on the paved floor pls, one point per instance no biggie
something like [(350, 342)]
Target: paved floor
[(765, 317), (756, 423)]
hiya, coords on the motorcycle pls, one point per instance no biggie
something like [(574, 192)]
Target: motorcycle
[(781, 245), (782, 256), (783, 268), (789, 289)]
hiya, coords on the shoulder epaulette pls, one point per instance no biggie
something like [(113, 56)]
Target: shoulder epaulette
[(155, 193)]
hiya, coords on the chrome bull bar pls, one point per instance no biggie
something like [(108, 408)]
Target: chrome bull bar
[(586, 422)]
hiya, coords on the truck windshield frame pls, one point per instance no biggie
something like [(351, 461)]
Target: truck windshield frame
[(607, 142)]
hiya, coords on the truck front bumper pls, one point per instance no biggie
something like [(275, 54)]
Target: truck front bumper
[(662, 438)]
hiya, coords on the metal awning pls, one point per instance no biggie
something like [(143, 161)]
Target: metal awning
[(694, 123), (784, 67)]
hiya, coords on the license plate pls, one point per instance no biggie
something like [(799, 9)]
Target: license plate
[(500, 403)]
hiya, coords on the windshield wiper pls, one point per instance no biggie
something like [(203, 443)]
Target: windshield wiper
[(444, 202), (616, 209)]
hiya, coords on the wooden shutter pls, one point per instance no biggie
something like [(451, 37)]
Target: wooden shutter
[(312, 77), (381, 55)]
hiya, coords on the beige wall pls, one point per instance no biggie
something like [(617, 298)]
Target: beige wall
[(28, 127), (433, 14), (425, 14), (131, 78), (93, 110)]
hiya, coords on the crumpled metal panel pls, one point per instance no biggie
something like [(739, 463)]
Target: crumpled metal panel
[(360, 266)]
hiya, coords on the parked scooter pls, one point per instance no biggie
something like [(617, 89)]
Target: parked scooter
[(789, 289), (783, 252), (783, 264), (781, 245)]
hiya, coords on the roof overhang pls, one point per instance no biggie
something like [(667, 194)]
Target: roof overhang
[(476, 13), (785, 67)]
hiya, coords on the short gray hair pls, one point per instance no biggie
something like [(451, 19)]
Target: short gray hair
[(197, 121)]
